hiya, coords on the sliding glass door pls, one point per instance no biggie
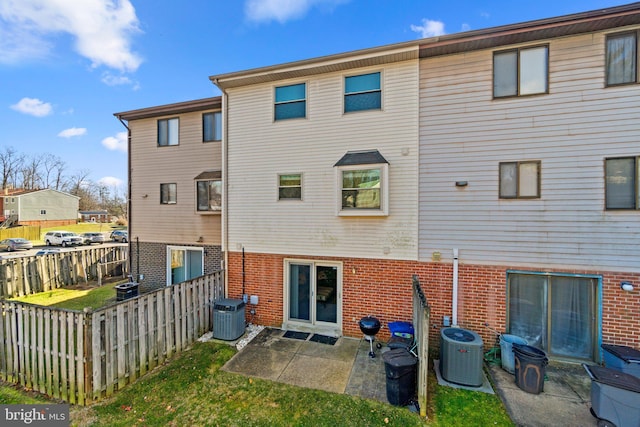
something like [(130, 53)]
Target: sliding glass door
[(184, 263), (555, 313), (312, 294)]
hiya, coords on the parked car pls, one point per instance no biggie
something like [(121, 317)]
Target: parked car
[(48, 251), (15, 243), (89, 238), (62, 238), (119, 236)]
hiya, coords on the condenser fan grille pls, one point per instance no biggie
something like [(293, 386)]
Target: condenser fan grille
[(459, 335)]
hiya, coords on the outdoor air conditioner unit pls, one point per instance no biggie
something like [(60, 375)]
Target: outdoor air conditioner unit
[(461, 357), (228, 319)]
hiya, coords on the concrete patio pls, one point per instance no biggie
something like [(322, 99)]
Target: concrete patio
[(345, 367)]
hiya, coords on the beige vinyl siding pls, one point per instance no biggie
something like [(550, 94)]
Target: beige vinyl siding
[(260, 149), (464, 134), (153, 165)]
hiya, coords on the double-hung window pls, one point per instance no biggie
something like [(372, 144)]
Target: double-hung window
[(290, 186), (622, 58), (290, 102), (519, 72), (168, 194), (362, 178), (212, 127), (621, 183), (362, 92), (520, 180), (168, 130)]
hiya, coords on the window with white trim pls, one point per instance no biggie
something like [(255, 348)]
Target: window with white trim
[(184, 263), (290, 102), (362, 92), (362, 180)]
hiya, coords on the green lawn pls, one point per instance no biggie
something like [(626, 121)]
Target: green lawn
[(191, 390), (73, 299)]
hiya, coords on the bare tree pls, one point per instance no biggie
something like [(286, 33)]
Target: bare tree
[(31, 178), (10, 163), (52, 175)]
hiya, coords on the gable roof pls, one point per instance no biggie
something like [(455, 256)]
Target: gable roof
[(576, 23)]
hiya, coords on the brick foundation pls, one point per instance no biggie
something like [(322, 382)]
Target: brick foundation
[(383, 288), (152, 260)]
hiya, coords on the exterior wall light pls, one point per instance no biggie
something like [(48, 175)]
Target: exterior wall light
[(626, 286)]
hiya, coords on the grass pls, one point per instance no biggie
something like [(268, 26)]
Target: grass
[(191, 389), (73, 299)]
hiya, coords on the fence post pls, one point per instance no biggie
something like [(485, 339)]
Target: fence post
[(87, 355)]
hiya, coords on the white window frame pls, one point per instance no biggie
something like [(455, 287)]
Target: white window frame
[(384, 191), (182, 248), (345, 95), (290, 101)]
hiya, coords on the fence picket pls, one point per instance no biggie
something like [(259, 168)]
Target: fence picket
[(80, 357)]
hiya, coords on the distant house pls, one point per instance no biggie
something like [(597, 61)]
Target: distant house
[(39, 207), (94, 216)]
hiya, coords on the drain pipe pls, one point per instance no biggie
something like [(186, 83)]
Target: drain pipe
[(454, 303)]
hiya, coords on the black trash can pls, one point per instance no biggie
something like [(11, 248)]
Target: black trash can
[(530, 367), (400, 369)]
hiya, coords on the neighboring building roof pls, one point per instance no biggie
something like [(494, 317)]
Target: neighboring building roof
[(22, 192), (176, 108), (577, 23)]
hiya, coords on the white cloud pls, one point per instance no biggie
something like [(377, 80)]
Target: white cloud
[(118, 142), (465, 27), (283, 10), (33, 106), (71, 132), (110, 181), (102, 30), (429, 28)]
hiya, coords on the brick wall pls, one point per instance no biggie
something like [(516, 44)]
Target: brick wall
[(152, 259), (383, 288)]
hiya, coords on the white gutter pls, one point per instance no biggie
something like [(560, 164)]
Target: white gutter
[(454, 303)]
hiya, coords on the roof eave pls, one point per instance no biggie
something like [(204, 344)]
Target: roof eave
[(175, 108)]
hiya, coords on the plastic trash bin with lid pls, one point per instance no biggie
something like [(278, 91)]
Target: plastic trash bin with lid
[(615, 397), (401, 335), (506, 351), (400, 369), (622, 358), (530, 368)]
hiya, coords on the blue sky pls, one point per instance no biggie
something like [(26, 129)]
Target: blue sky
[(67, 65)]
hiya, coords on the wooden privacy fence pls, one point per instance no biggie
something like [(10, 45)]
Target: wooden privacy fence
[(80, 357), (33, 274), (421, 315), (29, 232)]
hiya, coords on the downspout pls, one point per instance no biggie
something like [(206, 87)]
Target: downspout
[(225, 192), (129, 213), (454, 303)]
